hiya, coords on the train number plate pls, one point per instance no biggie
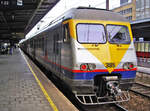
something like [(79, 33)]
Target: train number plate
[(110, 65)]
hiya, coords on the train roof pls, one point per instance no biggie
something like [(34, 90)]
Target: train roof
[(87, 13)]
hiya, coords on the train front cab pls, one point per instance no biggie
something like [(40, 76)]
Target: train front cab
[(104, 61)]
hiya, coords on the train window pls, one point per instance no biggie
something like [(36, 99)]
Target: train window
[(66, 32), (56, 47), (57, 44), (139, 47), (118, 34), (146, 47), (91, 33), (135, 45), (142, 47), (149, 47)]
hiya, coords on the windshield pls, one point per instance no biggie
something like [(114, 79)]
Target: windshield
[(118, 34), (91, 33)]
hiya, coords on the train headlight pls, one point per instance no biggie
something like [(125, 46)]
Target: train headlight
[(92, 66), (128, 65), (87, 66)]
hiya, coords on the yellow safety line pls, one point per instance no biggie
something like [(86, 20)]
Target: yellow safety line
[(42, 88)]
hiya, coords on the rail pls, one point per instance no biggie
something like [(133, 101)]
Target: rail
[(120, 107), (141, 89), (104, 107)]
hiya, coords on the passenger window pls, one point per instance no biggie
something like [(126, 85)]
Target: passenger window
[(142, 47), (66, 33), (139, 47), (135, 45), (146, 47), (56, 44)]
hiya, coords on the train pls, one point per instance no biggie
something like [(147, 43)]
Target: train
[(143, 53), (91, 50), (142, 49)]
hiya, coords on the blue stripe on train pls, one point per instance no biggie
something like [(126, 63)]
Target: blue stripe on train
[(90, 75)]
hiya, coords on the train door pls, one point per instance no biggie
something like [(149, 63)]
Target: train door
[(59, 45), (57, 50), (66, 54)]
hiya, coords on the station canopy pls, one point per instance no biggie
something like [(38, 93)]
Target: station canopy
[(18, 17), (141, 29)]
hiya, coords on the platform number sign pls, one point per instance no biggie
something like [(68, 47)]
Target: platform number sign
[(11, 3), (19, 2), (4, 2)]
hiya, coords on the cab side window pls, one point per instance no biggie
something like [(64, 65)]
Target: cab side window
[(66, 33)]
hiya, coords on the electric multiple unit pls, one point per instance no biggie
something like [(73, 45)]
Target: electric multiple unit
[(91, 50)]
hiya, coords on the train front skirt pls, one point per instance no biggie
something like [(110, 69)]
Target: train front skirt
[(92, 99)]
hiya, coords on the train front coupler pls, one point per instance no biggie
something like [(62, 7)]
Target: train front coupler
[(113, 88), (107, 85)]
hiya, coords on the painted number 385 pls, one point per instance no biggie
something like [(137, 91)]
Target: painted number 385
[(109, 65)]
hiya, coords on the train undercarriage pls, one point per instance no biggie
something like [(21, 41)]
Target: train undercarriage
[(105, 90)]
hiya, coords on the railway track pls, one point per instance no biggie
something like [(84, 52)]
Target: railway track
[(120, 108), (104, 107), (141, 89)]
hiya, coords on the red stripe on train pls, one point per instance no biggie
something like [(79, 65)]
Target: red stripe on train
[(80, 71)]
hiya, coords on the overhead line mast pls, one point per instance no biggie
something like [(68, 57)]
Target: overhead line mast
[(107, 4)]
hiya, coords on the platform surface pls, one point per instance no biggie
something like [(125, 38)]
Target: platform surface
[(143, 69), (19, 90)]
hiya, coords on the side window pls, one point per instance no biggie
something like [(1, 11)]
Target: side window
[(66, 34), (138, 47), (142, 47), (57, 47), (56, 39), (146, 46), (54, 43)]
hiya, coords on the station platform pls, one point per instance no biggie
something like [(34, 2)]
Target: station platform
[(23, 87), (145, 70)]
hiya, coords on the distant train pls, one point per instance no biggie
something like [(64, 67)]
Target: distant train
[(143, 53), (91, 50), (143, 49)]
